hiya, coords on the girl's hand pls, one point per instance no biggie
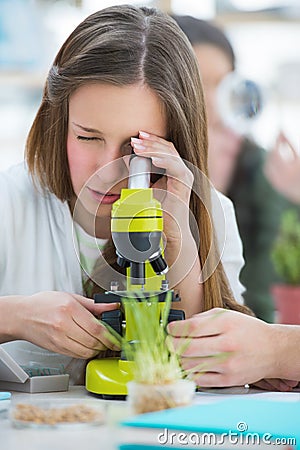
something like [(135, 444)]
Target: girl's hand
[(225, 348), (64, 323), (174, 188)]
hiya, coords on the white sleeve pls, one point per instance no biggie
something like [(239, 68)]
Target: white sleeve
[(229, 242)]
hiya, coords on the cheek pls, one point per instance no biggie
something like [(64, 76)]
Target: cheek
[(81, 167)]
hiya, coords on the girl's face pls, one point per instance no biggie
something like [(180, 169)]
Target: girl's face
[(102, 119)]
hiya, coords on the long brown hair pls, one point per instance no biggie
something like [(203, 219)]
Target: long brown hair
[(125, 45)]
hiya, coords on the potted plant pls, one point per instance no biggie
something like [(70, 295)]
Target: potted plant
[(286, 259), (158, 380)]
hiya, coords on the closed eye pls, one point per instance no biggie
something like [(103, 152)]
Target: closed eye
[(85, 138)]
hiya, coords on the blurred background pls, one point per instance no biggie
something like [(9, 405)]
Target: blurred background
[(265, 35)]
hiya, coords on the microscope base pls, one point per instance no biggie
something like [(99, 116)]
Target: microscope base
[(108, 377)]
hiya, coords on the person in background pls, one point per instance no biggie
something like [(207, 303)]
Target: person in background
[(282, 169), (236, 168)]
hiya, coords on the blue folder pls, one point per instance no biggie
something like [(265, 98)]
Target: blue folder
[(5, 395), (279, 419)]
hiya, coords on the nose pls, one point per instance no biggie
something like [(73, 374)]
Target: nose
[(112, 168)]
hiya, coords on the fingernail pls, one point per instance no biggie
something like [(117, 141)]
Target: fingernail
[(136, 140), (144, 134), (139, 147)]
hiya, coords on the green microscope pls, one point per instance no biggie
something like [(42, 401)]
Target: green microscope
[(136, 226)]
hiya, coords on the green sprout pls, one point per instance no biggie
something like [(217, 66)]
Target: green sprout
[(156, 361)]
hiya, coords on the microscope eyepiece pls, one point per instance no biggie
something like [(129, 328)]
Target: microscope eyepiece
[(122, 262)]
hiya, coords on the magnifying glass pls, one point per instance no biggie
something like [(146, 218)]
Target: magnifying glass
[(239, 101)]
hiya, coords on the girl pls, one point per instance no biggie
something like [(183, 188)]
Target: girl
[(125, 79)]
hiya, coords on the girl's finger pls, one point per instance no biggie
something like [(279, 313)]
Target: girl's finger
[(163, 155), (201, 325), (199, 347), (212, 363), (95, 308)]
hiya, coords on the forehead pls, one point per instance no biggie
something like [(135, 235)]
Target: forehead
[(112, 109), (213, 62)]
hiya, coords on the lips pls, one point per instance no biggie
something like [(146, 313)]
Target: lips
[(104, 198)]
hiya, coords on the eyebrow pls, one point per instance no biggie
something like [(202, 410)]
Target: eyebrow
[(87, 129)]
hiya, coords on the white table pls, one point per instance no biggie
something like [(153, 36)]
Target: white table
[(102, 437)]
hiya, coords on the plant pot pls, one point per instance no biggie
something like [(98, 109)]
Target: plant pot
[(287, 303), (145, 398)]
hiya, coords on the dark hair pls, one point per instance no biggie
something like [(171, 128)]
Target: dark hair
[(126, 45), (202, 32)]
